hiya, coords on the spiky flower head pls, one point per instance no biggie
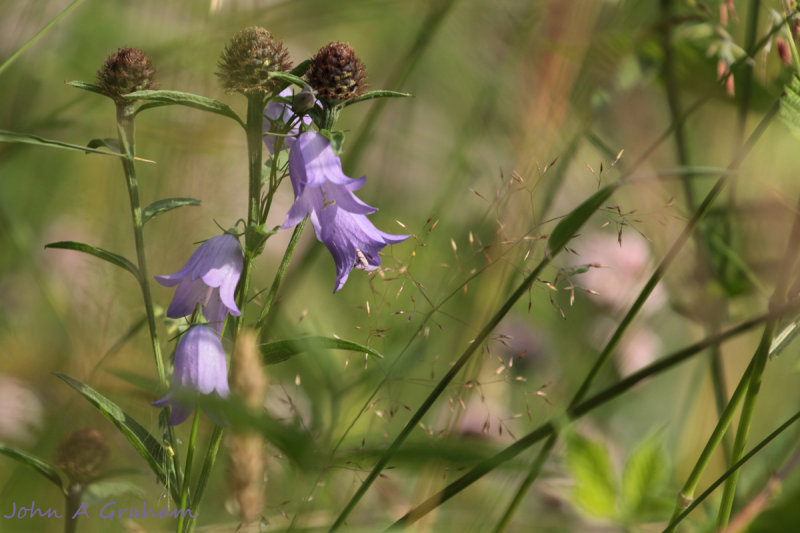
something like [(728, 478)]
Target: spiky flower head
[(248, 59), (125, 71), (82, 455), (337, 74)]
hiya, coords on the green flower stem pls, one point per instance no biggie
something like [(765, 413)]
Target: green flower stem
[(552, 427), (73, 497), (126, 132), (276, 282), (202, 482), (686, 495), (125, 129), (734, 468), (758, 364), (187, 471)]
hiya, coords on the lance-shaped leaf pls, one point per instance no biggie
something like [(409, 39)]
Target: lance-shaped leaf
[(278, 351), (156, 456), (371, 95), (167, 204), (162, 98), (27, 138), (105, 255), (49, 471), (569, 225), (91, 87)]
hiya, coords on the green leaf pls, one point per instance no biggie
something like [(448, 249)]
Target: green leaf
[(569, 225), (156, 456), (91, 87), (163, 98), (375, 94), (590, 465), (288, 77), (105, 255), (279, 351), (47, 470), (26, 138), (167, 204), (790, 106), (110, 143), (301, 68), (643, 476)]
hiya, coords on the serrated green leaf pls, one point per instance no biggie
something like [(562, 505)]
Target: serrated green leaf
[(162, 98), (105, 255), (570, 224), (47, 470), (91, 87), (151, 450), (643, 476), (167, 204), (279, 351), (595, 490), (371, 95), (790, 106), (26, 138)]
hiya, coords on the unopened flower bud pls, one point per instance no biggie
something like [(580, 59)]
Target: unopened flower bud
[(337, 74), (82, 455), (125, 71), (304, 100), (783, 50), (248, 59)]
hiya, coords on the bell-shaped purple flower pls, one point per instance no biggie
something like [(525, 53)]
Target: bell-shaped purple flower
[(199, 369), (277, 111), (325, 194), (209, 278)]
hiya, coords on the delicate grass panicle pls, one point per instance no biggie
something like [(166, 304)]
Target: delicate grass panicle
[(249, 57), (336, 74), (125, 71), (82, 455), (246, 471)]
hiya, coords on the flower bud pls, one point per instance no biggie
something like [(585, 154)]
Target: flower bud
[(337, 74), (82, 455), (783, 50), (304, 100), (249, 58), (125, 71)]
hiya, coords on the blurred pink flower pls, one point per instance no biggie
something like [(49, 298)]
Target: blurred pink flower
[(21, 411)]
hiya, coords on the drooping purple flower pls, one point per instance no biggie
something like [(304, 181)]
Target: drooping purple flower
[(209, 278), (325, 194), (277, 111), (199, 369)]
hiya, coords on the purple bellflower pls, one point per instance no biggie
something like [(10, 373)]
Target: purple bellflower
[(199, 369), (277, 111), (209, 278), (325, 194)]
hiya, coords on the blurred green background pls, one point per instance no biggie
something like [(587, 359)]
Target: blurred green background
[(519, 112)]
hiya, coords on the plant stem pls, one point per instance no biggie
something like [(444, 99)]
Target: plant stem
[(187, 471), (125, 130), (208, 464), (73, 502), (758, 364), (276, 282)]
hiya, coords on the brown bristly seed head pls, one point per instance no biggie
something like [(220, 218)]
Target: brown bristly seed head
[(125, 71), (248, 59), (82, 455), (337, 74)]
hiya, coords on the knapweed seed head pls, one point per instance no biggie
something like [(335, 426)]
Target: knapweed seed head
[(82, 455), (248, 59), (125, 71), (336, 74)]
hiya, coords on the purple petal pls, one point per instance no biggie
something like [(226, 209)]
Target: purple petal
[(188, 294)]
